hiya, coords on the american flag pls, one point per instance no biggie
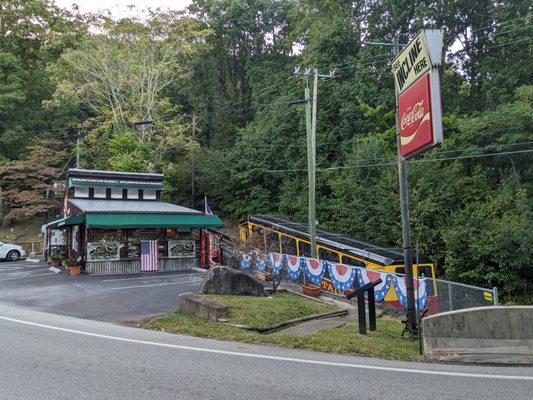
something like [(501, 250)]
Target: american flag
[(207, 209), (149, 255)]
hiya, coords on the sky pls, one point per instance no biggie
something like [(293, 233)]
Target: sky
[(119, 8)]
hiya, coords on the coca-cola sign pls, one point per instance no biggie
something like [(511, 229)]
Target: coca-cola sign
[(415, 114)]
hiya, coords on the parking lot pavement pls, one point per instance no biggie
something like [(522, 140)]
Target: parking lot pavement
[(108, 298)]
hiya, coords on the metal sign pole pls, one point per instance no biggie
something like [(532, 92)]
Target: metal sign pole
[(406, 230), (311, 157)]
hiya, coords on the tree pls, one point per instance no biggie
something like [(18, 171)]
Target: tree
[(30, 186)]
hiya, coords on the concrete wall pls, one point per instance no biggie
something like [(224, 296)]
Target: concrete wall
[(484, 334)]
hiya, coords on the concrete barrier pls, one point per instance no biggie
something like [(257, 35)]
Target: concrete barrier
[(196, 304), (482, 335)]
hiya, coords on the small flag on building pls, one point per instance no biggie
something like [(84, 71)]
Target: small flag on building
[(149, 255), (207, 209)]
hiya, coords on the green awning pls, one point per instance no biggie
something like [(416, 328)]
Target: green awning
[(152, 220), (74, 220)]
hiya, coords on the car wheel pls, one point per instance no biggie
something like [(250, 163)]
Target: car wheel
[(13, 255)]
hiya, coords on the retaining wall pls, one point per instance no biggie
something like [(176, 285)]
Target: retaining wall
[(483, 334)]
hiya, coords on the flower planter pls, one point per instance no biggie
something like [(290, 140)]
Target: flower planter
[(265, 276), (311, 290), (74, 270), (55, 263)]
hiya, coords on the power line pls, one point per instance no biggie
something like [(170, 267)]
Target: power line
[(508, 43), (356, 166), (497, 24), (494, 46), (503, 153), (504, 32), (286, 98), (274, 86)]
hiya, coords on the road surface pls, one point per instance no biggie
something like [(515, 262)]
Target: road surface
[(100, 297), (48, 356)]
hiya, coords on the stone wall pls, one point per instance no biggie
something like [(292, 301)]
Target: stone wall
[(484, 334)]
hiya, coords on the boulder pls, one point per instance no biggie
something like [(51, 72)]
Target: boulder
[(225, 280)]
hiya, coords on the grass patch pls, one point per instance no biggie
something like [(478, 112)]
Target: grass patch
[(386, 342), (259, 312)]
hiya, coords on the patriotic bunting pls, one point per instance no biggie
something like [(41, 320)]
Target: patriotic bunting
[(279, 260), (246, 261), (365, 276), (342, 277), (261, 263), (293, 267), (314, 269), (401, 291)]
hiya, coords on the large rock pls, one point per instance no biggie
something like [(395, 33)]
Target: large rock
[(225, 280)]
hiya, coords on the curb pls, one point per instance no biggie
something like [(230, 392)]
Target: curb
[(284, 324)]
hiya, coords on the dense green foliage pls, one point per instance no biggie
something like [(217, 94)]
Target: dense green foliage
[(230, 63)]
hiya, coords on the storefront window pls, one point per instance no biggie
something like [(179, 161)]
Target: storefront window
[(129, 241)]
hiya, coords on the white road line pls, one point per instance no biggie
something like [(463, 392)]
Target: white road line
[(156, 284), (275, 358), (25, 277), (188, 276)]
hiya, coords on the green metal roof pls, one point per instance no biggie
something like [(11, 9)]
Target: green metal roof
[(74, 220), (144, 220), (152, 220)]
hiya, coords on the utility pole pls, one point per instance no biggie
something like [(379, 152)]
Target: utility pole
[(406, 229), (193, 165), (78, 151), (310, 124)]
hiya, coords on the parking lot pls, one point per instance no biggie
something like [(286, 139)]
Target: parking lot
[(115, 298)]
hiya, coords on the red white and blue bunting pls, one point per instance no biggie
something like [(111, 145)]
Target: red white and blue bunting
[(401, 291), (365, 276), (278, 261), (314, 269), (261, 261), (293, 267), (342, 277), (246, 260)]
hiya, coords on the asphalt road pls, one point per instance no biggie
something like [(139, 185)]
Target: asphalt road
[(48, 353), (48, 356), (106, 298)]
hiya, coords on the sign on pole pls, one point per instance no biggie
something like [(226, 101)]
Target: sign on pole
[(418, 127), (418, 89), (422, 54)]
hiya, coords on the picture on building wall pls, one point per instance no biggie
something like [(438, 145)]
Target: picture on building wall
[(103, 251), (181, 249)]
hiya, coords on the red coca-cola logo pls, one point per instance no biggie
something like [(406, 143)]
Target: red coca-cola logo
[(416, 114), (414, 111)]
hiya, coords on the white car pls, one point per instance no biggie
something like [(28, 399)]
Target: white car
[(11, 252)]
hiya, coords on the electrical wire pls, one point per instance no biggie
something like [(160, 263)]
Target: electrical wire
[(494, 25), (356, 166)]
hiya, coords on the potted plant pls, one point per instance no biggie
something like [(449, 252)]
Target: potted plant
[(55, 259), (70, 265), (265, 276), (311, 290)]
